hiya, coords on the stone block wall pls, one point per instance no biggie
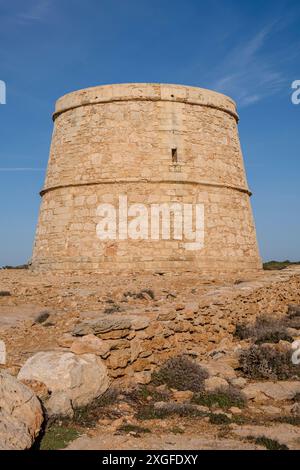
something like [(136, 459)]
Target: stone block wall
[(155, 144), (138, 344)]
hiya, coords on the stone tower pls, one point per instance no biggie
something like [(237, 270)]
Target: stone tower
[(146, 146)]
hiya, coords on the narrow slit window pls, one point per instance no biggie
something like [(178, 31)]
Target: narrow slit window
[(174, 155)]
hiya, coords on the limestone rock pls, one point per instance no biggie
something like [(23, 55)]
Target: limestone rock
[(295, 410), (66, 340), (59, 404), (115, 334), (284, 390), (82, 378), (120, 343), (21, 414), (139, 323), (219, 369), (141, 365), (90, 344), (239, 382), (271, 410), (167, 316), (119, 359), (142, 377), (39, 388), (102, 324), (182, 396), (235, 410), (214, 383), (135, 349)]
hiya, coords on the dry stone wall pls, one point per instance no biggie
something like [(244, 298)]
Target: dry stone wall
[(134, 345)]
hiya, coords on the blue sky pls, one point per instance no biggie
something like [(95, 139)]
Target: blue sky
[(248, 49)]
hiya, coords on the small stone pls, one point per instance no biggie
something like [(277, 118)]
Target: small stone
[(135, 349), (235, 410), (139, 323), (295, 410), (293, 332), (118, 344), (167, 316), (202, 408), (219, 369), (125, 408), (141, 365), (117, 334), (66, 340), (118, 359), (182, 396), (42, 317), (214, 383), (115, 373), (192, 307), (90, 344), (143, 377), (5, 293), (179, 307), (271, 410), (239, 382), (59, 404)]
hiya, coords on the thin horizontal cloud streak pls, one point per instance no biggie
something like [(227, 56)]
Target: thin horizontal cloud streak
[(252, 75), (37, 12), (22, 169)]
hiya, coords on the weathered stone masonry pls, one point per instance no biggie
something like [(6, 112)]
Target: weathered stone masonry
[(154, 143)]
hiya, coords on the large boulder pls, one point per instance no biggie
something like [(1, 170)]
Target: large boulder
[(21, 414), (283, 390), (81, 378)]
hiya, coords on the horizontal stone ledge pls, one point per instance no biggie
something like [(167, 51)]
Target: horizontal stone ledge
[(147, 181), (156, 92)]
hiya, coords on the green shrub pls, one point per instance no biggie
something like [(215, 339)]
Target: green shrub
[(264, 330), (269, 444), (127, 428), (183, 410), (180, 373), (224, 397), (289, 419), (177, 430), (265, 362), (271, 265), (219, 418), (89, 415), (58, 437)]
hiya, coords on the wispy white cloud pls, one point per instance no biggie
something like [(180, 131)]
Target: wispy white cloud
[(37, 11), (22, 169), (248, 73)]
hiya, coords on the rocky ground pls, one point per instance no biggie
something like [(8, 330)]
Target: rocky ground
[(92, 349)]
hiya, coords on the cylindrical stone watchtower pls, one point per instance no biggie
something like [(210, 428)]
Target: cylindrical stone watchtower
[(131, 168)]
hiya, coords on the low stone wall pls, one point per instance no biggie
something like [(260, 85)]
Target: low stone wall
[(134, 345)]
